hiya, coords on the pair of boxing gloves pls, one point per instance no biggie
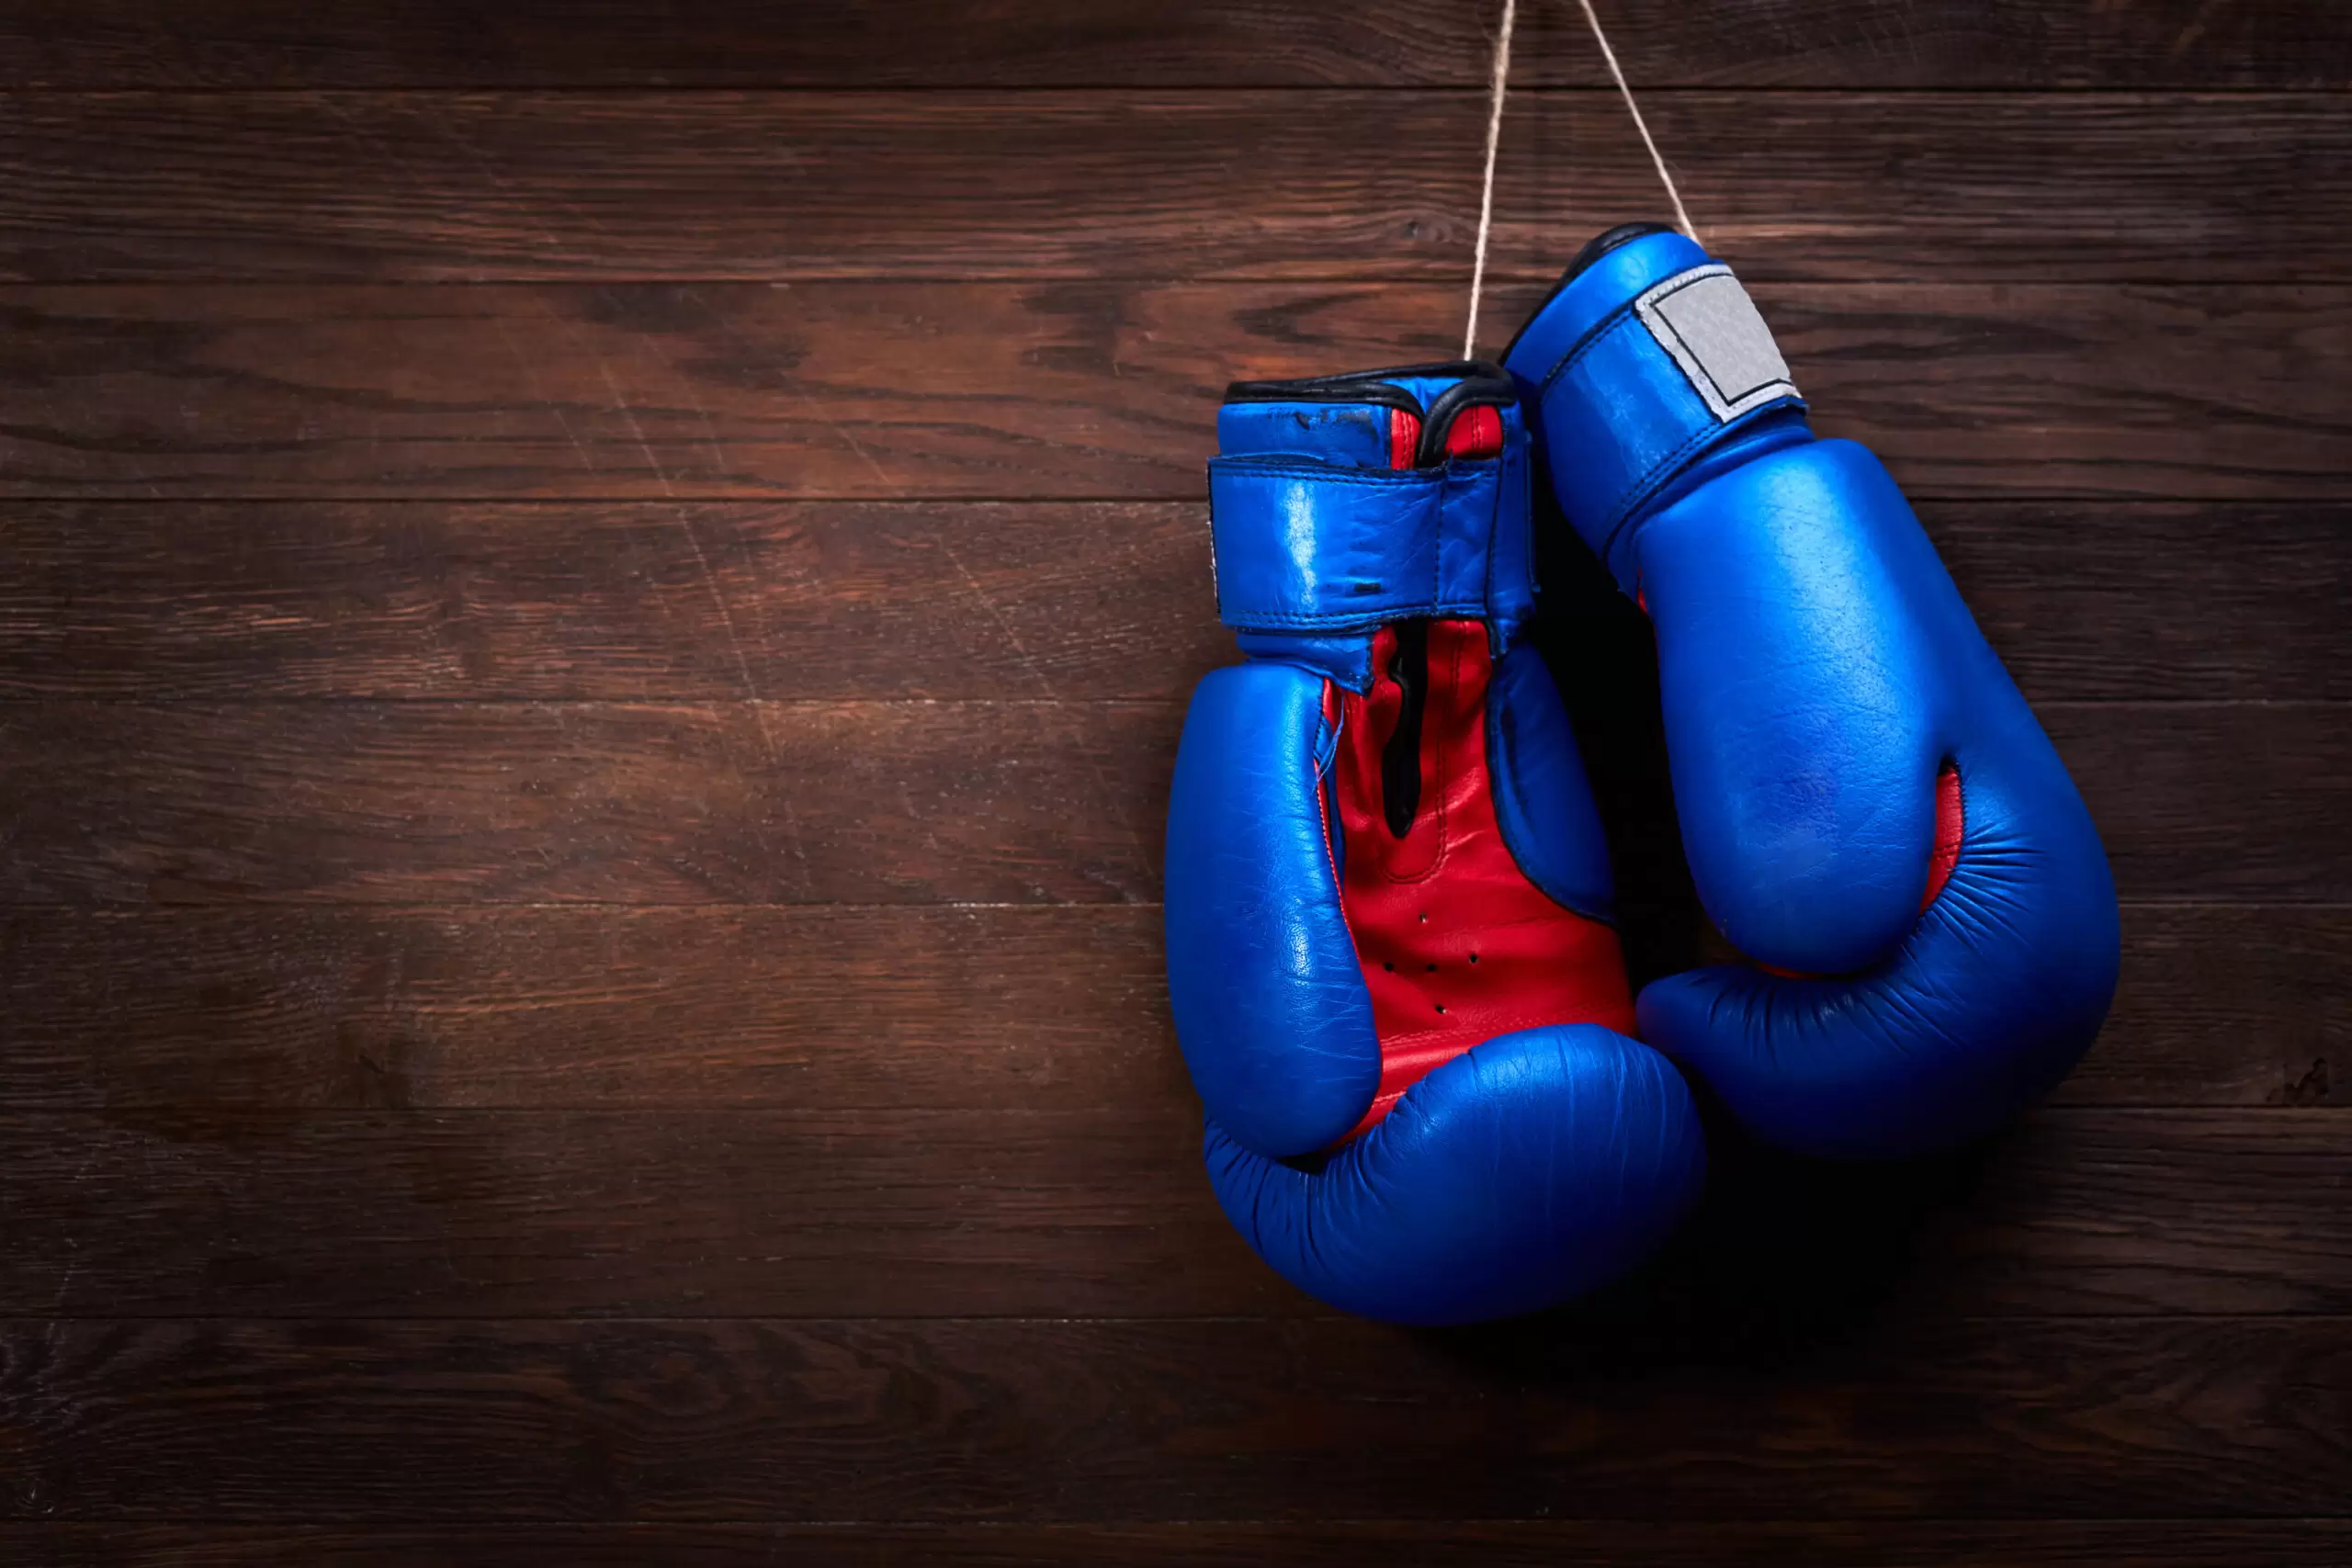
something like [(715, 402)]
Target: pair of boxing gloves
[(1432, 1097)]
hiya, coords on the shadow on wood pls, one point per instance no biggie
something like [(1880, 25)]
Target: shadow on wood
[(1784, 1260)]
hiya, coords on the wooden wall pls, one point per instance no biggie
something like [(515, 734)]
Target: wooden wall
[(594, 604)]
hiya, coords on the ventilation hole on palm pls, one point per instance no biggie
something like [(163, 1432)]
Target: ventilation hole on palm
[(1390, 967), (1425, 917), (1473, 958), (1441, 1007), (1432, 968)]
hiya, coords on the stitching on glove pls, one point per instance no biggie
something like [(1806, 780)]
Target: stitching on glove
[(1397, 484), (1585, 344)]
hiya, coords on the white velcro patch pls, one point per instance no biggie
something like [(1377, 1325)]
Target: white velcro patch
[(1705, 319)]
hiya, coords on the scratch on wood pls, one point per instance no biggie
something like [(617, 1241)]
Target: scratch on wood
[(702, 560), (1003, 623), (2194, 33), (794, 839)]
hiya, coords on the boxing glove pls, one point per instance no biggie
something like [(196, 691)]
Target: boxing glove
[(1389, 955), (1869, 807)]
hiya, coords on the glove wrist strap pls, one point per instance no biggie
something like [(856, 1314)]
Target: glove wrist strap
[(1307, 549), (1646, 391)]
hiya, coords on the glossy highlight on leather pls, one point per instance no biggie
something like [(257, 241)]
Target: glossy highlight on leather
[(1388, 894), (1869, 807)]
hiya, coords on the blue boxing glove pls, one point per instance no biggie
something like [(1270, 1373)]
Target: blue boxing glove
[(1389, 953), (1869, 807)]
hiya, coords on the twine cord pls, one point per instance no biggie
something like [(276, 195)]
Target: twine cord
[(1495, 93), (1487, 185), (1625, 90)]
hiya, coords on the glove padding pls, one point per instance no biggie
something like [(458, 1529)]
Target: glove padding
[(1387, 888), (1869, 807)]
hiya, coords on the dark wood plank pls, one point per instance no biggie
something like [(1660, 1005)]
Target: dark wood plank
[(1219, 43), (638, 601), (1107, 1213), (1196, 1421), (816, 802), (769, 802), (1478, 1543), (820, 1008), (844, 601), (1070, 390), (1041, 1009), (2109, 601), (1189, 183), (2193, 827), (2222, 1006), (476, 1214)]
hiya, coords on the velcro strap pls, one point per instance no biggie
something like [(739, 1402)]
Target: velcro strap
[(1707, 322), (1301, 546), (1652, 386)]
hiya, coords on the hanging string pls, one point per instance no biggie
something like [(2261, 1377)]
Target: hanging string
[(1494, 140), (1681, 215), (1487, 185)]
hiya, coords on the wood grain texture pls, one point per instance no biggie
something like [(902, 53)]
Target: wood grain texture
[(1474, 1543), (766, 802), (116, 44), (1158, 183), (1200, 1421), (597, 603), (1095, 391), (2179, 828), (177, 1212), (820, 1008), (2224, 1007), (702, 601), (915, 802), (1019, 1009)]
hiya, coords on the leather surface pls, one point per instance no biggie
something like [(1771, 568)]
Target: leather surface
[(1309, 538), (1455, 941), (1818, 670), (1816, 675), (1385, 907), (1270, 1005), (1543, 803), (1535, 1167), (1817, 667), (1619, 419)]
